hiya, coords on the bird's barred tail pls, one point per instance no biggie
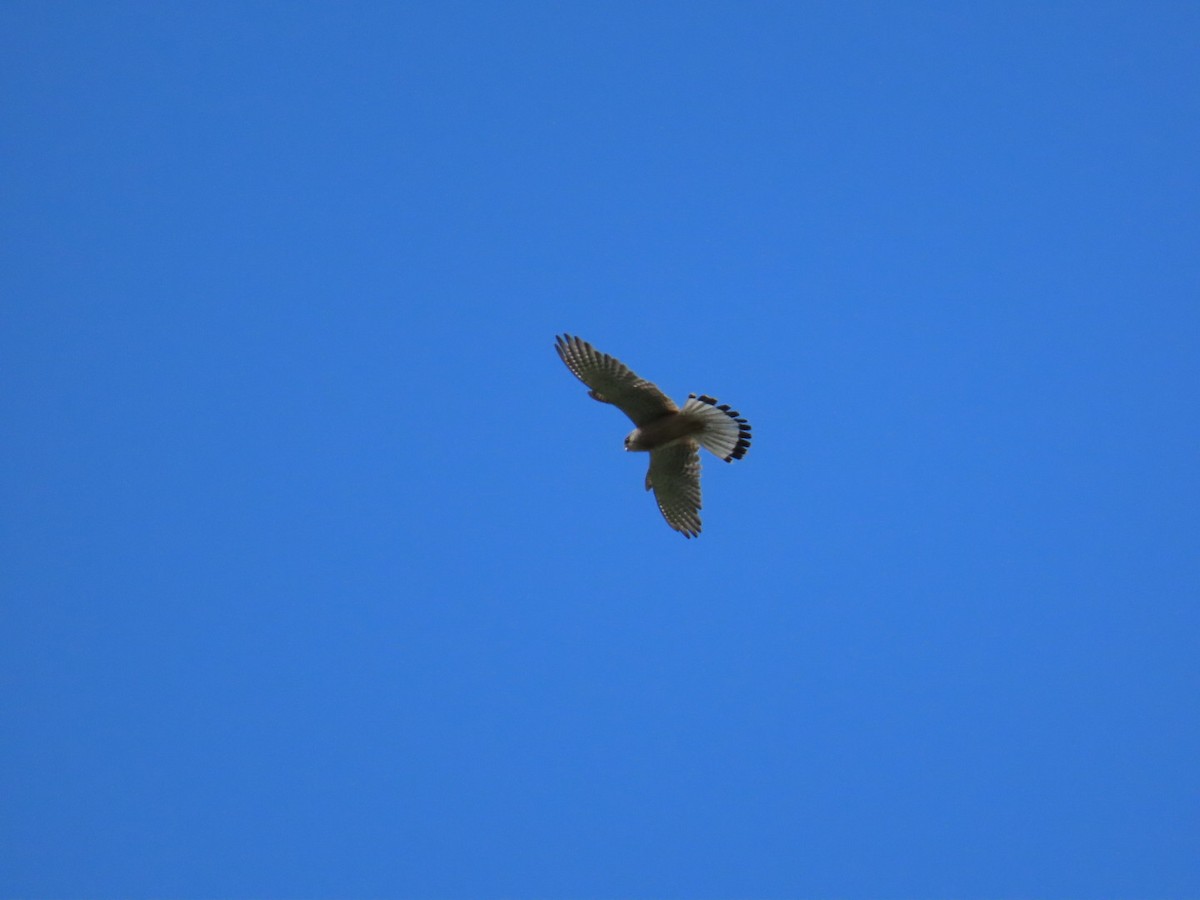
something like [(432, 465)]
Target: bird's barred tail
[(725, 433)]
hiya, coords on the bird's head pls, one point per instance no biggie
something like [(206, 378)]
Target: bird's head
[(633, 440)]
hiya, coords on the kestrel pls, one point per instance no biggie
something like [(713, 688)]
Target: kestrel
[(673, 436)]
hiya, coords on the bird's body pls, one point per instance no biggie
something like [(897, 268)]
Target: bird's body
[(662, 431), (671, 435)]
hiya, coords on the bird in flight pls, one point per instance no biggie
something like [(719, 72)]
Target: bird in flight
[(673, 436)]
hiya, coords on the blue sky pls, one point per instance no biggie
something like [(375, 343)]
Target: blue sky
[(323, 577)]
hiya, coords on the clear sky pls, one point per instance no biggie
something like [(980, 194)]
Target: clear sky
[(323, 577)]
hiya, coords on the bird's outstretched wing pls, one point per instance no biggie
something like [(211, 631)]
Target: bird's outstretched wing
[(611, 381), (675, 477)]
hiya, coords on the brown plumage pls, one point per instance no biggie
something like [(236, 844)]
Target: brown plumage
[(673, 436)]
